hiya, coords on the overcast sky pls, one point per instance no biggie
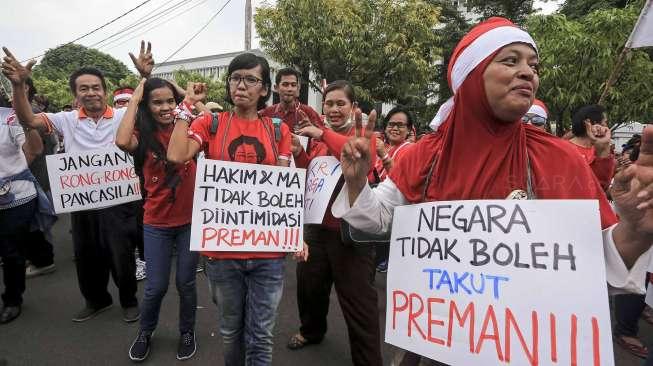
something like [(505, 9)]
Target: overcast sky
[(30, 27)]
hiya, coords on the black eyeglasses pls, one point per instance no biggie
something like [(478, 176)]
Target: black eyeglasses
[(248, 80), (399, 125), (534, 120)]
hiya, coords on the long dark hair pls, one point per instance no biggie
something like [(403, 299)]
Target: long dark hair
[(147, 127)]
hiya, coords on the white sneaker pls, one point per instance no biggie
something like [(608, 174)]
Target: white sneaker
[(33, 271), (140, 270)]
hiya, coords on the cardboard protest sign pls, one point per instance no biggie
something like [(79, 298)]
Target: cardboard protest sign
[(499, 282), (323, 175), (240, 207), (92, 179)]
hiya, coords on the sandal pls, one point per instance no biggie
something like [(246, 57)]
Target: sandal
[(639, 351), (647, 315), (297, 341)]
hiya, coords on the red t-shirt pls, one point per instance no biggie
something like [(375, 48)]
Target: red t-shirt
[(603, 168), (163, 207), (245, 141)]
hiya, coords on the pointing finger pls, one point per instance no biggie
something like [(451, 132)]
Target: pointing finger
[(142, 51), (371, 124), (149, 48), (646, 149), (8, 53)]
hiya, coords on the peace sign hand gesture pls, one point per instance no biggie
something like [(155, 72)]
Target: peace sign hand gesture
[(13, 70), (144, 63), (355, 158)]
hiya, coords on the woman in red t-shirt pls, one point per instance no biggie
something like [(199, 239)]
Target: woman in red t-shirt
[(145, 132), (332, 262), (246, 286)]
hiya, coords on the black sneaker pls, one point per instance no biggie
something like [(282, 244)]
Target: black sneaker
[(89, 312), (187, 346), (131, 314), (140, 348)]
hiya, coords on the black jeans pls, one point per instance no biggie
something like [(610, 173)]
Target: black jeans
[(628, 309), (14, 230), (351, 270), (38, 249), (103, 241)]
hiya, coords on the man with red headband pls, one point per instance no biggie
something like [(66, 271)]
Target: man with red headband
[(122, 96)]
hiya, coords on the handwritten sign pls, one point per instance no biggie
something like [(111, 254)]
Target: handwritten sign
[(499, 282), (323, 175), (247, 207), (92, 179)]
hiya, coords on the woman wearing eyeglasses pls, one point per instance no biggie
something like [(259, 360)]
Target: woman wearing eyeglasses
[(246, 286), (537, 115)]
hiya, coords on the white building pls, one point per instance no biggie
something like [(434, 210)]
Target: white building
[(623, 133), (215, 66)]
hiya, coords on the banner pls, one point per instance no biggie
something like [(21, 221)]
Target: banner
[(92, 179), (323, 175), (241, 207), (510, 282), (642, 34)]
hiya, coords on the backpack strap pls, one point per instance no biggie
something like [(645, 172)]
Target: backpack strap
[(214, 123)]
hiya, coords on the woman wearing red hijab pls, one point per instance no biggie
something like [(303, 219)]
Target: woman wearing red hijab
[(481, 150)]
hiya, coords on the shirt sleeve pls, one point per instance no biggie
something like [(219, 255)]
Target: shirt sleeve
[(199, 130), (18, 135), (374, 208), (285, 142), (620, 278), (54, 121)]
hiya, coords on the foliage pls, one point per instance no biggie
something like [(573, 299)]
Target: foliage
[(576, 9), (386, 48), (60, 62), (216, 88), (578, 56), (515, 10)]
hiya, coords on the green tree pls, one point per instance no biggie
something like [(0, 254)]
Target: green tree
[(60, 62), (576, 9), (386, 48), (515, 10), (578, 55), (216, 88), (56, 90)]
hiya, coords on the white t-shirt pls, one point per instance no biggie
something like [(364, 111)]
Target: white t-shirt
[(81, 133), (12, 158)]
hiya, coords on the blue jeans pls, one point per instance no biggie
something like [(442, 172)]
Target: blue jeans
[(158, 243), (247, 292)]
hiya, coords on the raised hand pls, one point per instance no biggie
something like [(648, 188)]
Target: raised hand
[(355, 157), (195, 92), (13, 70), (296, 146), (144, 63), (632, 190), (303, 122), (600, 137)]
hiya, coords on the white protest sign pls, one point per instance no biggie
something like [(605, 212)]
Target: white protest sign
[(499, 282), (240, 207), (92, 179), (323, 175)]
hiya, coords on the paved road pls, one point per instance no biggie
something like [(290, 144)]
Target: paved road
[(45, 334)]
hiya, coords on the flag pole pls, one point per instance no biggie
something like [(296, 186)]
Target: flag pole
[(615, 73), (622, 57)]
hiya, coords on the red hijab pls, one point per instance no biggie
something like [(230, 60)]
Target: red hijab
[(481, 157)]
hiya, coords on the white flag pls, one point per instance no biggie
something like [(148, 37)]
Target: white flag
[(642, 35)]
